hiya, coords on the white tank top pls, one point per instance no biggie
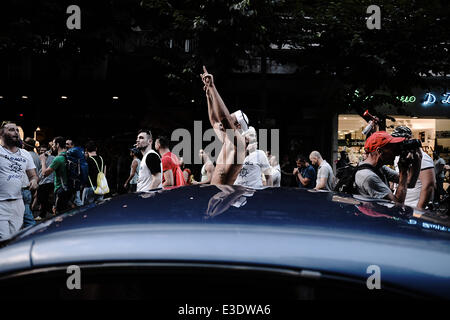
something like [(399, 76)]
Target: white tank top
[(145, 175)]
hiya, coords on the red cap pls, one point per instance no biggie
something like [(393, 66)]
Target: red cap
[(380, 139)]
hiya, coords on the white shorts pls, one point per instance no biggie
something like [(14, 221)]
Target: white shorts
[(11, 217)]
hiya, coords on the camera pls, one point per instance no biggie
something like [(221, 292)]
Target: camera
[(408, 146)]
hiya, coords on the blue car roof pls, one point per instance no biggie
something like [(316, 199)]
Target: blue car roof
[(285, 227)]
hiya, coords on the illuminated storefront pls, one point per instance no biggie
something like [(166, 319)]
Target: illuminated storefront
[(428, 118)]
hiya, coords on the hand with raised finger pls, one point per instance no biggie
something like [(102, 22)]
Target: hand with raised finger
[(207, 79)]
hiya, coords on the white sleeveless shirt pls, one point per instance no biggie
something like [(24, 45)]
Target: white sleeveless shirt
[(145, 175)]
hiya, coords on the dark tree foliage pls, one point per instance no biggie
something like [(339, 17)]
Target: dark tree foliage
[(327, 38)]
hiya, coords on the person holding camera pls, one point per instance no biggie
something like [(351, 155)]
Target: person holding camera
[(422, 192), (373, 181)]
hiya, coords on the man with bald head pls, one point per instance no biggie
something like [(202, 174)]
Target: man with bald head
[(325, 176)]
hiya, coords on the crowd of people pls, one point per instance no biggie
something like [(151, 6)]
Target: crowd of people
[(35, 185), (61, 175)]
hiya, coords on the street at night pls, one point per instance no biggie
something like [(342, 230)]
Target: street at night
[(224, 149)]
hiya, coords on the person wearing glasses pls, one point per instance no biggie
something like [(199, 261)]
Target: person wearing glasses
[(230, 129)]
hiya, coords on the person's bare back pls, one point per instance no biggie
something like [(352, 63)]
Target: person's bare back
[(232, 155)]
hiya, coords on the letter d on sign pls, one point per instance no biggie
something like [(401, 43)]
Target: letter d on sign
[(74, 21), (374, 21), (74, 281), (374, 281)]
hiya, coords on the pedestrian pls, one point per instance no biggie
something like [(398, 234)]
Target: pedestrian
[(422, 192), (343, 161), (172, 174), (29, 145), (63, 196), (276, 170), (439, 165), (15, 164), (305, 173), (232, 154), (373, 181), (255, 165), (286, 167), (325, 176), (134, 170), (207, 168), (70, 143), (46, 186), (95, 166), (187, 174), (27, 196), (150, 170)]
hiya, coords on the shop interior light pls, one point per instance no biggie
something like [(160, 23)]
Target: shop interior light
[(116, 98), (63, 97), (24, 97)]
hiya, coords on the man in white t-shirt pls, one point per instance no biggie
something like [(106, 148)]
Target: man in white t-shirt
[(15, 164), (150, 168), (325, 175), (255, 165), (422, 192)]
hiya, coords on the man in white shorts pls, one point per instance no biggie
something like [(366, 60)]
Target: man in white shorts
[(15, 163)]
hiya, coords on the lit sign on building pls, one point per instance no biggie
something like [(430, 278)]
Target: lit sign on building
[(407, 99), (430, 99)]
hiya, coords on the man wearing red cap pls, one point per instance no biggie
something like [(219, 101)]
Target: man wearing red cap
[(373, 181)]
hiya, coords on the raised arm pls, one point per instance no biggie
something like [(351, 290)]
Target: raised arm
[(217, 111)]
